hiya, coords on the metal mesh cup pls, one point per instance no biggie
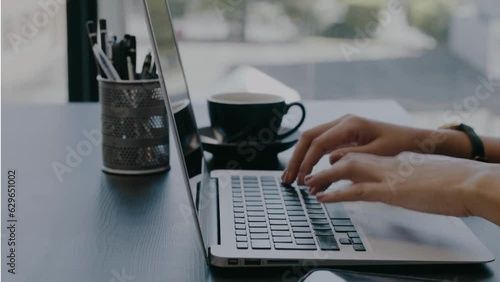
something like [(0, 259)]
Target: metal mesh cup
[(134, 126)]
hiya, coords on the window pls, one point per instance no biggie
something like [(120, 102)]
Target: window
[(431, 56), (34, 56)]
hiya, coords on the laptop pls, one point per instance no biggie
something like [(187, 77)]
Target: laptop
[(248, 218)]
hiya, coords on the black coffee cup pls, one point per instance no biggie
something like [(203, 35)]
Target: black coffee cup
[(251, 116)]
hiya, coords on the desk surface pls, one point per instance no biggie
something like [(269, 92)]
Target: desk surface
[(91, 226)]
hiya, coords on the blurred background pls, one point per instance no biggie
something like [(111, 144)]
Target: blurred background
[(437, 58)]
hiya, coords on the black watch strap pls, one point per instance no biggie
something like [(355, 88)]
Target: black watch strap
[(477, 145)]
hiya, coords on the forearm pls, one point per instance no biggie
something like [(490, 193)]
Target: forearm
[(482, 193), (492, 149)]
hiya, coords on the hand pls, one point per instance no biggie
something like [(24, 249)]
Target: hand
[(344, 135), (426, 183)]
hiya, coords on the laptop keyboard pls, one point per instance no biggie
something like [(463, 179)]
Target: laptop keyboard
[(269, 215)]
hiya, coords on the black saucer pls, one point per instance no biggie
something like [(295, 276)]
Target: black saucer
[(214, 143)]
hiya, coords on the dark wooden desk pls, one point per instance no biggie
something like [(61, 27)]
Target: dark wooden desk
[(91, 226)]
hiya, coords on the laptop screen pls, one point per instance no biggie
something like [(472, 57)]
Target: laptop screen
[(174, 83)]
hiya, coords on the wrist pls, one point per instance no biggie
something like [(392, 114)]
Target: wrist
[(452, 143), (481, 195), (445, 142)]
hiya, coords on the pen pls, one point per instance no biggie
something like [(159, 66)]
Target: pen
[(146, 66), (130, 68), (105, 63), (133, 52), (92, 33), (103, 35)]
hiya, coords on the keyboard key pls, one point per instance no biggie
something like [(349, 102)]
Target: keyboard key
[(323, 232), (239, 215), (298, 218), (275, 211), (277, 216), (327, 243), (242, 245), (359, 247), (241, 238), (296, 213), (282, 240), (256, 219), (305, 242), (345, 241), (268, 178), (274, 207), (302, 235), (240, 226), (316, 212), (258, 230), (279, 227), (294, 208), (353, 234), (290, 198), (278, 202), (253, 199), (241, 233), (336, 210), (317, 216), (252, 190), (237, 210), (344, 228), (281, 234), (261, 244), (319, 221), (321, 227), (259, 236), (257, 224), (310, 206), (271, 197), (238, 205), (255, 208), (257, 214), (239, 220), (293, 203), (278, 222), (301, 229), (252, 194), (288, 246), (356, 241), (299, 224), (341, 222), (254, 204)]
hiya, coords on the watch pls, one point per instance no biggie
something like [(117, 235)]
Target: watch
[(477, 145)]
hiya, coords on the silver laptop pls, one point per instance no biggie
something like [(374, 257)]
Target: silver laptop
[(249, 219)]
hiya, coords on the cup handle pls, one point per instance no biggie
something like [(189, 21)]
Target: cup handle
[(289, 132)]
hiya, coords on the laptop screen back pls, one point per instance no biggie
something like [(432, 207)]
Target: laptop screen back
[(174, 83)]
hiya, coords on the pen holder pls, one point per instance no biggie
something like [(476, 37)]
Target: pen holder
[(134, 126)]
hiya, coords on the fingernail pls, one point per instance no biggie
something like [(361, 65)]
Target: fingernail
[(320, 195), (310, 191), (284, 176), (300, 179), (307, 178)]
